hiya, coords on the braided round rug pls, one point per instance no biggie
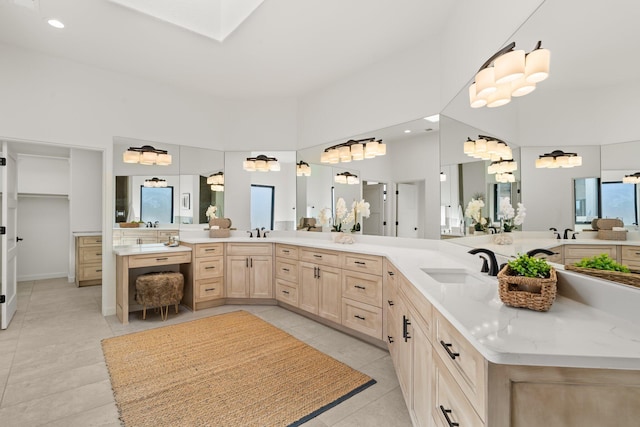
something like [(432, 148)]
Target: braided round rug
[(230, 370)]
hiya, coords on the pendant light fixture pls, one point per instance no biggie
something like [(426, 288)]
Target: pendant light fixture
[(558, 159), (346, 178), (303, 169), (146, 155), (505, 177), (366, 148), (216, 181), (631, 179), (261, 163), (155, 183), (509, 73), (488, 148)]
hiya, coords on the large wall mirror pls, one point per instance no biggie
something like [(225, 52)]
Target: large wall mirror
[(400, 186)]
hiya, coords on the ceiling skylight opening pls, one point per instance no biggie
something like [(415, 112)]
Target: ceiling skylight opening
[(215, 19), (433, 119)]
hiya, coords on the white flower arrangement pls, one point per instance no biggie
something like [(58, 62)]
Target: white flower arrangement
[(324, 218), (510, 218), (341, 213), (474, 211), (361, 208), (211, 212), (344, 217)]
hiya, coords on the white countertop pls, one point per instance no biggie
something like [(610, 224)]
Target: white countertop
[(86, 233), (144, 227), (570, 334), (148, 248)]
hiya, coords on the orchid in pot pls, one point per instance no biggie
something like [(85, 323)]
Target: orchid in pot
[(510, 218), (211, 212), (474, 212)]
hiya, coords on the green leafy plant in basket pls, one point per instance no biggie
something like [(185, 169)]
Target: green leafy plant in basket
[(602, 262), (529, 266)]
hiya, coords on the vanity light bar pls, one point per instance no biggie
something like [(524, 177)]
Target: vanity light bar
[(631, 179), (155, 183), (366, 148), (261, 163), (146, 155), (303, 169), (558, 159), (346, 178), (513, 73), (502, 166), (216, 179), (505, 177), (488, 148)]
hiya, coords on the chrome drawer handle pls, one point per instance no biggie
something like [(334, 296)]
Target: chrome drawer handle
[(359, 317), (446, 413), (359, 287), (447, 347)]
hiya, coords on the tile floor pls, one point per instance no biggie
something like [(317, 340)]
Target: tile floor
[(52, 371)]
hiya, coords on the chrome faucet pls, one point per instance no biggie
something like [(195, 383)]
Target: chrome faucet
[(493, 262)]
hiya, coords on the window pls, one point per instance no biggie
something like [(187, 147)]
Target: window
[(620, 201), (587, 199), (156, 204), (262, 197)]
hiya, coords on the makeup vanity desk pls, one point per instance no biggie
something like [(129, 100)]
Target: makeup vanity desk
[(132, 261)]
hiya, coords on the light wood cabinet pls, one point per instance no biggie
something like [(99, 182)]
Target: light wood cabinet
[(362, 263), (630, 256), (575, 253), (249, 270), (320, 289), (308, 287), (138, 236), (287, 271), (206, 276), (88, 260), (363, 287)]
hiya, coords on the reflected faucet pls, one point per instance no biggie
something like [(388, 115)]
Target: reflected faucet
[(493, 262), (533, 252)]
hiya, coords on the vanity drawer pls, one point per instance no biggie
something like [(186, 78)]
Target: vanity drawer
[(287, 292), (209, 289), (151, 260), (287, 270), (363, 287), (209, 249), (575, 253), (90, 254), (90, 272), (449, 405), (89, 241), (364, 263), (361, 317), (463, 361), (209, 267), (286, 251), (630, 256), (249, 249), (329, 258)]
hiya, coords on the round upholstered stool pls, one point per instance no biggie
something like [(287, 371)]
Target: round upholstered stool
[(159, 290)]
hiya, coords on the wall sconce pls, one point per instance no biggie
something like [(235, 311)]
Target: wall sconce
[(488, 148), (216, 181), (303, 169), (261, 163), (513, 73), (443, 177), (346, 178), (558, 159), (146, 155), (505, 177), (155, 183), (367, 148), (631, 179)]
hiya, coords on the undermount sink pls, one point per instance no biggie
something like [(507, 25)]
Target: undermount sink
[(453, 275)]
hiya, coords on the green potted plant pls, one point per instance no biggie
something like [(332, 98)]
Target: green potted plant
[(528, 282)]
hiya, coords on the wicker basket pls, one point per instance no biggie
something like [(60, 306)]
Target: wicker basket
[(220, 232), (631, 279), (223, 231), (129, 225), (612, 235), (527, 292)]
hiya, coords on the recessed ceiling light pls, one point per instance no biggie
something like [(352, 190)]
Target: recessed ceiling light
[(433, 119), (55, 23), (407, 131)]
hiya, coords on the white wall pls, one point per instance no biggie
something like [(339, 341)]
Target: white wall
[(547, 194), (43, 175)]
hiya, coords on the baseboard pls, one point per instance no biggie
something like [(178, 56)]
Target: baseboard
[(44, 276)]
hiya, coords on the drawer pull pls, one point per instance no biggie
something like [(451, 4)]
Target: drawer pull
[(446, 413), (285, 269), (317, 256), (99, 271), (390, 302), (99, 254), (286, 251), (210, 289), (360, 262), (208, 268), (391, 273), (285, 292), (359, 317), (405, 329), (162, 259), (447, 347), (210, 249), (390, 339), (246, 262), (359, 287), (637, 253)]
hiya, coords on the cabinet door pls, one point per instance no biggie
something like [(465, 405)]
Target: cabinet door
[(261, 272), (308, 287), (237, 280), (422, 360), (404, 351), (330, 293)]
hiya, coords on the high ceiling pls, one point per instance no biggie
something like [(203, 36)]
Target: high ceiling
[(284, 48)]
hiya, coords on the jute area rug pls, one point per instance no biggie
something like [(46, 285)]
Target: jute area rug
[(228, 370)]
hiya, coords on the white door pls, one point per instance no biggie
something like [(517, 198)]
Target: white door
[(407, 214), (9, 219), (374, 225)]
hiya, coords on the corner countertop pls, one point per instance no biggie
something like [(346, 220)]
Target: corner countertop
[(571, 334)]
